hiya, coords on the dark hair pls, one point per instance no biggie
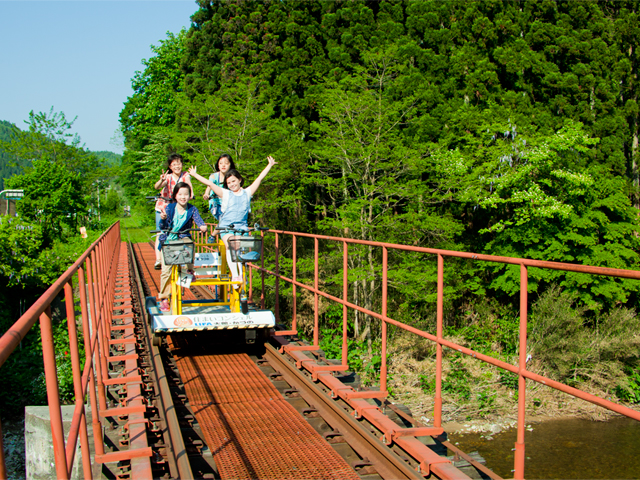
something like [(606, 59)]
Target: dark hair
[(233, 173), (172, 157), (232, 166), (177, 188)]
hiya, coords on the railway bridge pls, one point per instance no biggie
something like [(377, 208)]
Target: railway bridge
[(218, 405)]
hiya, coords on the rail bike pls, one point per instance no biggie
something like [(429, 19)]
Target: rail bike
[(229, 309)]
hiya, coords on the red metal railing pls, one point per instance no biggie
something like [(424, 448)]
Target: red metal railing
[(96, 270), (520, 370)]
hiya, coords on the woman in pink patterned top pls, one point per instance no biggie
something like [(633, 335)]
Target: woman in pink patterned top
[(166, 184)]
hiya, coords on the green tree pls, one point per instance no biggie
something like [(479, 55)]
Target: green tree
[(112, 203), (371, 171), (549, 205), (235, 120), (149, 115), (6, 159), (53, 197)]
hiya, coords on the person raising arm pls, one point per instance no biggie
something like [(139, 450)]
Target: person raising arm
[(219, 190), (236, 205)]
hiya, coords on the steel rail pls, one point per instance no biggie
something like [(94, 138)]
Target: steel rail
[(518, 370), (446, 443), (178, 456), (388, 464)]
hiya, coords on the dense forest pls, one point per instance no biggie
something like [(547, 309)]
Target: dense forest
[(497, 127)]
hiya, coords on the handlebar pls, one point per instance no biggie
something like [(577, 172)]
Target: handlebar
[(216, 231), (231, 228), (180, 231)]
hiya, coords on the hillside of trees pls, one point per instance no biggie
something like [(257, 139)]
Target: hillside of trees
[(498, 127), (10, 164), (6, 159)]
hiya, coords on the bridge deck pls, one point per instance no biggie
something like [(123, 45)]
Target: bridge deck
[(251, 430)]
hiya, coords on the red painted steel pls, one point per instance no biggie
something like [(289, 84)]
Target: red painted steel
[(383, 334), (79, 423), (99, 270), (3, 465), (427, 459), (438, 339), (437, 410), (251, 430), (53, 398)]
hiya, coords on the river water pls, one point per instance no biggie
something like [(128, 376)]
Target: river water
[(563, 449)]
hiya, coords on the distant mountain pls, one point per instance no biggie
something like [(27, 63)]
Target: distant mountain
[(111, 159), (6, 171)]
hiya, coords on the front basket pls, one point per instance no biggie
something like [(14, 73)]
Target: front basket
[(178, 252), (245, 249)]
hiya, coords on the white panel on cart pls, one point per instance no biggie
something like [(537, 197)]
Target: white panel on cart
[(186, 321), (206, 259)]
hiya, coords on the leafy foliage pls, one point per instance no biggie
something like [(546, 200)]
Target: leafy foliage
[(53, 196), (507, 128), (6, 159), (572, 348), (149, 113), (548, 205), (49, 139), (112, 203)]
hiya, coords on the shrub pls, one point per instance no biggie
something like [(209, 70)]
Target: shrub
[(573, 347)]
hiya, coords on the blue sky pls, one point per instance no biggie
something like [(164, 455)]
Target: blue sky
[(79, 57)]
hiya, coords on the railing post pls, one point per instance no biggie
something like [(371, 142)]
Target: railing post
[(53, 399), (3, 465), (250, 285), (95, 333), (345, 295), (101, 317), (316, 333), (437, 407), (277, 305), (294, 320), (78, 389), (383, 353), (89, 358), (522, 386), (262, 266)]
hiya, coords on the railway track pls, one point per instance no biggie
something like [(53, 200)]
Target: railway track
[(226, 411)]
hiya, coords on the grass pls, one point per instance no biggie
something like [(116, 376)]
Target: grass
[(137, 227)]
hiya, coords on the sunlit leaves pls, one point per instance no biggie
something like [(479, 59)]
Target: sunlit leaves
[(549, 206), (53, 196)]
